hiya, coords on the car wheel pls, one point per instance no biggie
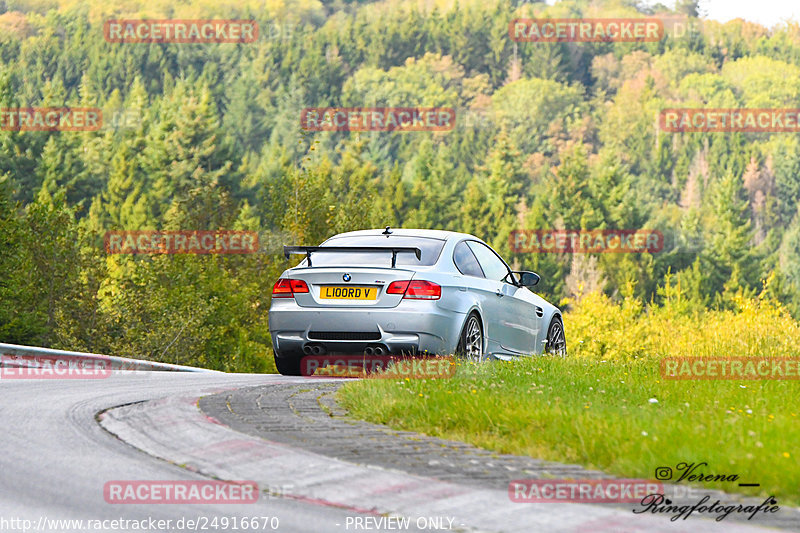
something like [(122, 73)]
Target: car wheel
[(288, 366), (470, 346), (556, 341)]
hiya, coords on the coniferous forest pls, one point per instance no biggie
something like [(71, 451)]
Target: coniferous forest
[(208, 136)]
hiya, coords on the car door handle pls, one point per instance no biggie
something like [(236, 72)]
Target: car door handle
[(462, 289), (500, 294)]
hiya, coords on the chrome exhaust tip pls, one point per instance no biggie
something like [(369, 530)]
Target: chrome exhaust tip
[(378, 350), (368, 350), (307, 349), (317, 350)]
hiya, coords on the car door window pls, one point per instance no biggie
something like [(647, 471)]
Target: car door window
[(493, 267), (465, 261)]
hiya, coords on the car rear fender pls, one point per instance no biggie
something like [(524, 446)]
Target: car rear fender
[(476, 309)]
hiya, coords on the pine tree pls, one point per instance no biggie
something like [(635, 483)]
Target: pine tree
[(488, 207), (728, 262), (569, 193), (190, 170), (123, 205), (434, 194)]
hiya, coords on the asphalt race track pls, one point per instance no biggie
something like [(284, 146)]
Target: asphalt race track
[(64, 440), (56, 459)]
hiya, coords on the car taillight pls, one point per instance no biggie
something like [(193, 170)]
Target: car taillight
[(282, 289), (287, 288), (397, 287), (415, 289), (298, 285), (425, 290)]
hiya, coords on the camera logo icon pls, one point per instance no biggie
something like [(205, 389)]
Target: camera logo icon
[(663, 473)]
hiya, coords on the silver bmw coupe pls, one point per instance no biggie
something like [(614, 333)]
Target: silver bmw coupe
[(408, 291)]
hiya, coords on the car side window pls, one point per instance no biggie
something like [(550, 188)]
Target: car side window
[(493, 267), (465, 261)]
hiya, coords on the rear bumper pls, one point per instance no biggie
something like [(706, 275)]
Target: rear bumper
[(411, 327)]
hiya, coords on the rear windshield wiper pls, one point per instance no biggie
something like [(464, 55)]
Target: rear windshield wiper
[(308, 250)]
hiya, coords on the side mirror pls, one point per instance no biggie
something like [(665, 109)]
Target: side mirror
[(527, 279)]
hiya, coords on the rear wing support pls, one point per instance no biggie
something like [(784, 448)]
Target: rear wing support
[(308, 250)]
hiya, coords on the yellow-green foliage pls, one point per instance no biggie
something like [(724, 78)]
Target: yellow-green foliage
[(598, 328)]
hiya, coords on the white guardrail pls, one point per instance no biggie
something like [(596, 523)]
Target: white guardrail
[(15, 355)]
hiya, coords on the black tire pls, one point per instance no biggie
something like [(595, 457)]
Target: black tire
[(556, 339), (470, 344), (288, 366)]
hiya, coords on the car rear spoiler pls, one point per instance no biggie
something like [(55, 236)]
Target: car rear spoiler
[(308, 250)]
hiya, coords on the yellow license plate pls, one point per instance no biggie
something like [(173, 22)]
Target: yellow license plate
[(348, 293)]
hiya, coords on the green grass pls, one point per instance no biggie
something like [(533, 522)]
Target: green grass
[(594, 407)]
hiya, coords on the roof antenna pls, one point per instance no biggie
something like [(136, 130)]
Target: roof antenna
[(387, 231)]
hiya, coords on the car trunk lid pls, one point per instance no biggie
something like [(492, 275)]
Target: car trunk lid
[(349, 287)]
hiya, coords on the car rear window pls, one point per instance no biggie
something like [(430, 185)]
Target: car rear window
[(431, 248)]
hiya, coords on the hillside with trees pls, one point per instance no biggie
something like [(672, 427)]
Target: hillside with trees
[(547, 135)]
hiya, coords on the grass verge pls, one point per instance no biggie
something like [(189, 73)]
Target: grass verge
[(606, 406)]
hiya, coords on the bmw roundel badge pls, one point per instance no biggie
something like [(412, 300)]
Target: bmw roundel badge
[(346, 277)]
